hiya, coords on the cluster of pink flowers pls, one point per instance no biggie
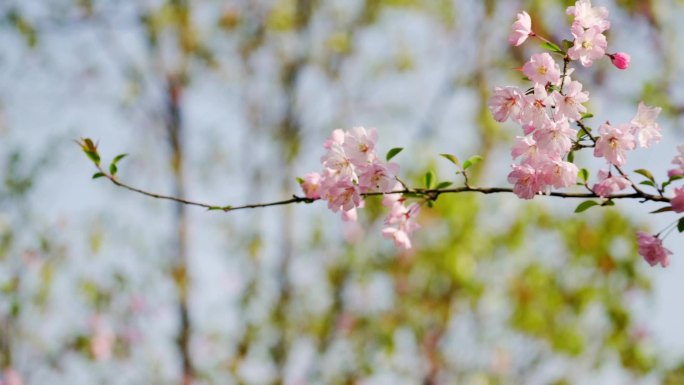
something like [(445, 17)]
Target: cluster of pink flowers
[(545, 119), (400, 221), (351, 168), (546, 111)]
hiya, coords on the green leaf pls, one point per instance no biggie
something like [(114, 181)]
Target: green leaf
[(662, 210), (571, 157), (98, 175), (645, 173), (672, 179), (299, 180), (430, 203), (568, 44), (118, 158), (113, 169), (551, 47), (648, 183), (586, 205), (393, 152), (451, 158), (584, 175), (444, 184), (680, 225), (93, 156), (587, 115), (429, 178), (471, 161), (609, 202)]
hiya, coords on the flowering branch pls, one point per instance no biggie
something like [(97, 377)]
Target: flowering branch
[(544, 154), (427, 193)]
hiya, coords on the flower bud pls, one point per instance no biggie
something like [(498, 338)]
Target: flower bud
[(620, 60)]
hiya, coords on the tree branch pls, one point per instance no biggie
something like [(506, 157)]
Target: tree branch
[(431, 194)]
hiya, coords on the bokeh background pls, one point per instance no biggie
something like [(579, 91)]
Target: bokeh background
[(228, 102)]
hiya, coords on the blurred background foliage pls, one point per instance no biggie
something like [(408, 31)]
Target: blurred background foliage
[(229, 101)]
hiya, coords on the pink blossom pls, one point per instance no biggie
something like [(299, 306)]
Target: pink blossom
[(588, 17), (343, 195), (589, 45), (350, 215), (677, 201), (678, 160), (311, 185), (555, 138), (534, 112), (542, 69), (506, 101), (528, 128), (338, 161), (558, 173), (389, 200), (608, 185), (337, 136), (521, 29), (359, 145), (614, 142), (570, 104), (620, 60), (400, 223), (644, 125), (525, 181), (378, 176), (526, 147), (651, 248)]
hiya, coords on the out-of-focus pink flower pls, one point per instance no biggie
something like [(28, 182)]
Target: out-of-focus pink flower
[(542, 69), (389, 200), (678, 160), (570, 104), (608, 185), (521, 29), (620, 60), (644, 126), (102, 341), (506, 102), (651, 248), (337, 136), (677, 201), (614, 142), (311, 185), (11, 377), (589, 45), (525, 181), (587, 16), (400, 223), (350, 215)]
